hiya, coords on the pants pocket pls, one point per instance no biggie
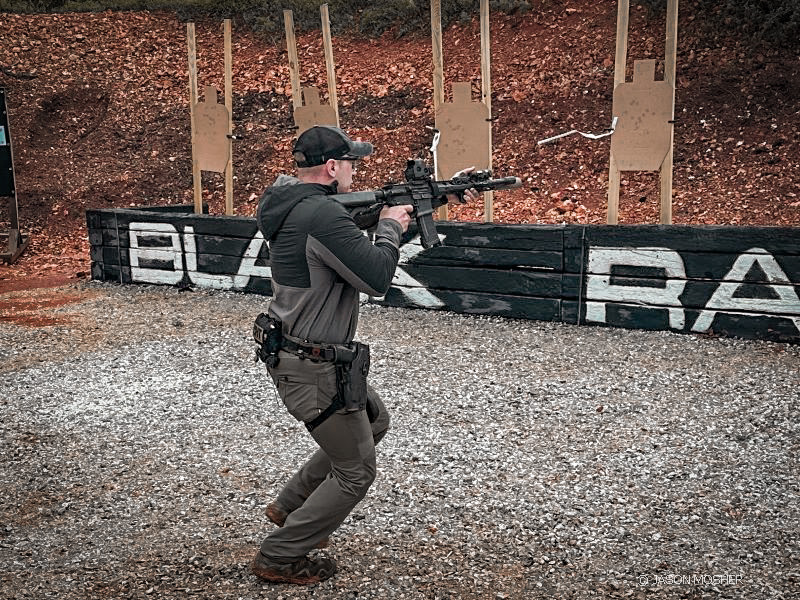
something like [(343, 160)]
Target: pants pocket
[(300, 398), (306, 389)]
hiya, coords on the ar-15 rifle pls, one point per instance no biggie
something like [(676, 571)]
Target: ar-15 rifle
[(422, 192)]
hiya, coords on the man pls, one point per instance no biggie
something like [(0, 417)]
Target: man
[(320, 262)]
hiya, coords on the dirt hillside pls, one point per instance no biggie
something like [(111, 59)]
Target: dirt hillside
[(99, 112)]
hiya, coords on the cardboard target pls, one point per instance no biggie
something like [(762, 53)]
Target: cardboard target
[(465, 133), (212, 142), (643, 136), (312, 112)]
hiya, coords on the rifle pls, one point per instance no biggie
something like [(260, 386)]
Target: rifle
[(423, 193)]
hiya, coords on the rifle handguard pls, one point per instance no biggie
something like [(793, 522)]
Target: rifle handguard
[(422, 192)]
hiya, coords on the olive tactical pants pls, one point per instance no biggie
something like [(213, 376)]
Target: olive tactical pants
[(328, 486)]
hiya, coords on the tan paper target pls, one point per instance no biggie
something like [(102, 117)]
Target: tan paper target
[(312, 112), (643, 136), (212, 122), (465, 133)]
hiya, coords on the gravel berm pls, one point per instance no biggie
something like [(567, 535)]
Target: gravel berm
[(141, 445)]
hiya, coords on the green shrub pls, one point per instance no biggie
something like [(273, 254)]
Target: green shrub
[(30, 6), (403, 15), (764, 21), (368, 16)]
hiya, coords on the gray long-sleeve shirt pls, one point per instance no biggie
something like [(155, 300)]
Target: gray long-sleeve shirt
[(321, 260)]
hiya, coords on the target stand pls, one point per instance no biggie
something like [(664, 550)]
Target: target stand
[(12, 242)]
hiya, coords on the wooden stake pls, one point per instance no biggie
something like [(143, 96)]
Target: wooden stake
[(229, 106), (196, 175), (438, 77), (294, 68), (326, 39), (438, 63), (665, 176), (623, 12), (671, 49), (670, 56), (486, 97), (613, 191)]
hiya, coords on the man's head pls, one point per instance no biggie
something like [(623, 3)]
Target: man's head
[(326, 154)]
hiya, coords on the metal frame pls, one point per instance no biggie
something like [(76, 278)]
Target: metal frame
[(12, 242)]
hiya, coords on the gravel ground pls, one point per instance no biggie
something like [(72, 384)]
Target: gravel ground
[(141, 444)]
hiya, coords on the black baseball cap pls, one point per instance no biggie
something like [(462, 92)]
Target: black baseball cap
[(317, 145)]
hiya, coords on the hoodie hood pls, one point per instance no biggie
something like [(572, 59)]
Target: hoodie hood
[(280, 198), (285, 180)]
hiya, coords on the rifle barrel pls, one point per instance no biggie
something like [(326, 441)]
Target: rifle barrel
[(368, 198), (505, 183)]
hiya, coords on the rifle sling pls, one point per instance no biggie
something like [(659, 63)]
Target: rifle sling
[(322, 417)]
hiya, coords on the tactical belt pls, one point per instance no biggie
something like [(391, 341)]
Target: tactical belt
[(325, 353)]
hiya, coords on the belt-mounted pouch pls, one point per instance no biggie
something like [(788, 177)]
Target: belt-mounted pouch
[(352, 368), (268, 334)]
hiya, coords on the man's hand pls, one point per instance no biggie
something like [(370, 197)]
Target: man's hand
[(400, 213), (470, 194)]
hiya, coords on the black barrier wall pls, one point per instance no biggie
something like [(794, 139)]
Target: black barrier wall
[(733, 281)]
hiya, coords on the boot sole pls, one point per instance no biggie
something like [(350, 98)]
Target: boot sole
[(275, 578)]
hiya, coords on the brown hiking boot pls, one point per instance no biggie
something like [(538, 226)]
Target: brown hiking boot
[(278, 516), (303, 571)]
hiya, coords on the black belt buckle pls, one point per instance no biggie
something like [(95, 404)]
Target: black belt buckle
[(312, 353)]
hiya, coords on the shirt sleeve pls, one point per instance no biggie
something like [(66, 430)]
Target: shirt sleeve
[(342, 246)]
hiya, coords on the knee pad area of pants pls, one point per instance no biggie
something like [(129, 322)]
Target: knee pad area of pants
[(357, 479)]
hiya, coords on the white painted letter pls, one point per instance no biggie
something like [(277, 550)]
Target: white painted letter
[(412, 289), (248, 267), (210, 280), (786, 305), (173, 253), (599, 286)]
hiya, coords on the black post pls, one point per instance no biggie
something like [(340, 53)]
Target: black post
[(15, 242)]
